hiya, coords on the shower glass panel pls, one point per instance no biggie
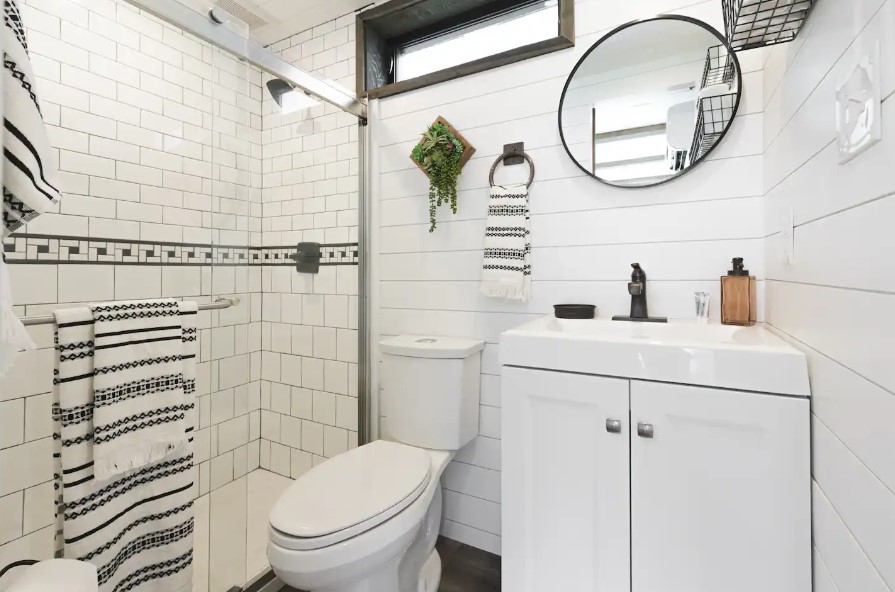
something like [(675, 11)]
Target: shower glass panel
[(182, 178), (229, 411)]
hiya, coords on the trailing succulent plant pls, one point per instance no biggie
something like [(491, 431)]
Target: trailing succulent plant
[(439, 153)]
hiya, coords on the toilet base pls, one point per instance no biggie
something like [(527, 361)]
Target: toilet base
[(430, 577)]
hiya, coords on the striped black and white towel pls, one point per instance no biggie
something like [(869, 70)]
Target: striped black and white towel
[(139, 407), (137, 527), (30, 184), (506, 269), (29, 171)]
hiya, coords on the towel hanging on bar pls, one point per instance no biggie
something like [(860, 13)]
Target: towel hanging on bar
[(136, 527), (139, 411), (506, 268)]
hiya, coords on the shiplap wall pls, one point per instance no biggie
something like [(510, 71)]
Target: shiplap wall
[(837, 302), (584, 234)]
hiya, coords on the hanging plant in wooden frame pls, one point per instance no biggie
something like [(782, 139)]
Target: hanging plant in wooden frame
[(441, 154)]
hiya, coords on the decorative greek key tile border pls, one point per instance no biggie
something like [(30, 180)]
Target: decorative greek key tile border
[(44, 249)]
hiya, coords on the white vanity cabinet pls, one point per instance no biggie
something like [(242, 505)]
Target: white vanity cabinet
[(694, 489), (720, 490), (565, 482)]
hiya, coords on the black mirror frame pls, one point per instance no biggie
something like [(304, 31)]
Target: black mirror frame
[(664, 17)]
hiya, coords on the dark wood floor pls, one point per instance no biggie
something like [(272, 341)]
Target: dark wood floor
[(463, 568), (467, 569)]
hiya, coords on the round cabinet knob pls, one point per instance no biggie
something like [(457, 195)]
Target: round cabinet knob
[(645, 430), (614, 426)]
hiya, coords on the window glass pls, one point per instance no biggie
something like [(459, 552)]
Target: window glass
[(493, 36)]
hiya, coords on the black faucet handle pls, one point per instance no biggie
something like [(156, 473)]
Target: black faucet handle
[(635, 265)]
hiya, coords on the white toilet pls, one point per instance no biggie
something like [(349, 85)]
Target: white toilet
[(367, 520)]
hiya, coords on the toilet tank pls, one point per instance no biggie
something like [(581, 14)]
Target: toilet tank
[(431, 390)]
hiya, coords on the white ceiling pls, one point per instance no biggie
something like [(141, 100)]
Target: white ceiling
[(288, 17)]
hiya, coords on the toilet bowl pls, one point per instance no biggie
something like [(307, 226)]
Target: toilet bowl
[(368, 519), (372, 542)]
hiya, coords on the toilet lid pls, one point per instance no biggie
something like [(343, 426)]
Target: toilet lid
[(360, 488)]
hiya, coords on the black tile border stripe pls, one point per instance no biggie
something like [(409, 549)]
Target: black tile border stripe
[(39, 249)]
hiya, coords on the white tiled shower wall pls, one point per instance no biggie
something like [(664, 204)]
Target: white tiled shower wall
[(837, 302), (584, 234), (158, 138), (309, 322)]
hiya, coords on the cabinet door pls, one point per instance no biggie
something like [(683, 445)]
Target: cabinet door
[(720, 494), (565, 483)]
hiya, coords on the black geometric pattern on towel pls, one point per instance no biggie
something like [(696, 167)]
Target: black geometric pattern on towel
[(12, 18), (135, 526), (138, 388), (506, 262), (15, 213), (30, 180), (524, 269), (21, 77), (146, 419), (136, 364), (164, 569), (119, 487), (150, 540)]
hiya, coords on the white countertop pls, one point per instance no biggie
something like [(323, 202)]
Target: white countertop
[(707, 354)]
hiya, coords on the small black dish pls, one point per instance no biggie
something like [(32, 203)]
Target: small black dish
[(575, 311)]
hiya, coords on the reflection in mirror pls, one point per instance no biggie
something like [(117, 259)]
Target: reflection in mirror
[(649, 101)]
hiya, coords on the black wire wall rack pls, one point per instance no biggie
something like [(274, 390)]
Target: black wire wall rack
[(758, 23), (713, 116), (719, 68)]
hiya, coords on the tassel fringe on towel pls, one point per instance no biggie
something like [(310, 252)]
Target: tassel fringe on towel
[(137, 526)]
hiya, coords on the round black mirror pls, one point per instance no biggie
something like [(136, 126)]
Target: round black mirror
[(650, 101)]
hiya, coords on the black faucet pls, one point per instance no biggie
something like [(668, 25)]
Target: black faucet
[(637, 290)]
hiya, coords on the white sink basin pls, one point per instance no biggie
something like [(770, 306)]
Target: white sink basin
[(745, 358)]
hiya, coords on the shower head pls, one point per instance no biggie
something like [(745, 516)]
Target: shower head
[(278, 88), (288, 98)]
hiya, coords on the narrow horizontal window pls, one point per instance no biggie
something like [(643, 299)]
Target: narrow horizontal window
[(517, 28), (408, 44)]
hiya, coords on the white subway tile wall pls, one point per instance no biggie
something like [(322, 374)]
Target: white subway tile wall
[(158, 137), (310, 192), (584, 234)]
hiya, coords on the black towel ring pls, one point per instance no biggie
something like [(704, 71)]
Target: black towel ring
[(500, 158)]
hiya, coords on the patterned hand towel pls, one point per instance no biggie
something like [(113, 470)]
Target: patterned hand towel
[(29, 171), (507, 262), (140, 411), (136, 528)]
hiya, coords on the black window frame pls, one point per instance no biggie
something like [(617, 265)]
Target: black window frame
[(377, 51)]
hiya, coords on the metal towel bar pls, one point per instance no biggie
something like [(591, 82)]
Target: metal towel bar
[(218, 304)]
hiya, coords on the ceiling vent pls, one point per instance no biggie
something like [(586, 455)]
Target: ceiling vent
[(245, 11)]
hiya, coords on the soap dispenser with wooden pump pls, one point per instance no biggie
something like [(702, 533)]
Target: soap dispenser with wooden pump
[(738, 290)]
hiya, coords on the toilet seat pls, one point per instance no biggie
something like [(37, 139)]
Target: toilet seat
[(349, 495)]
